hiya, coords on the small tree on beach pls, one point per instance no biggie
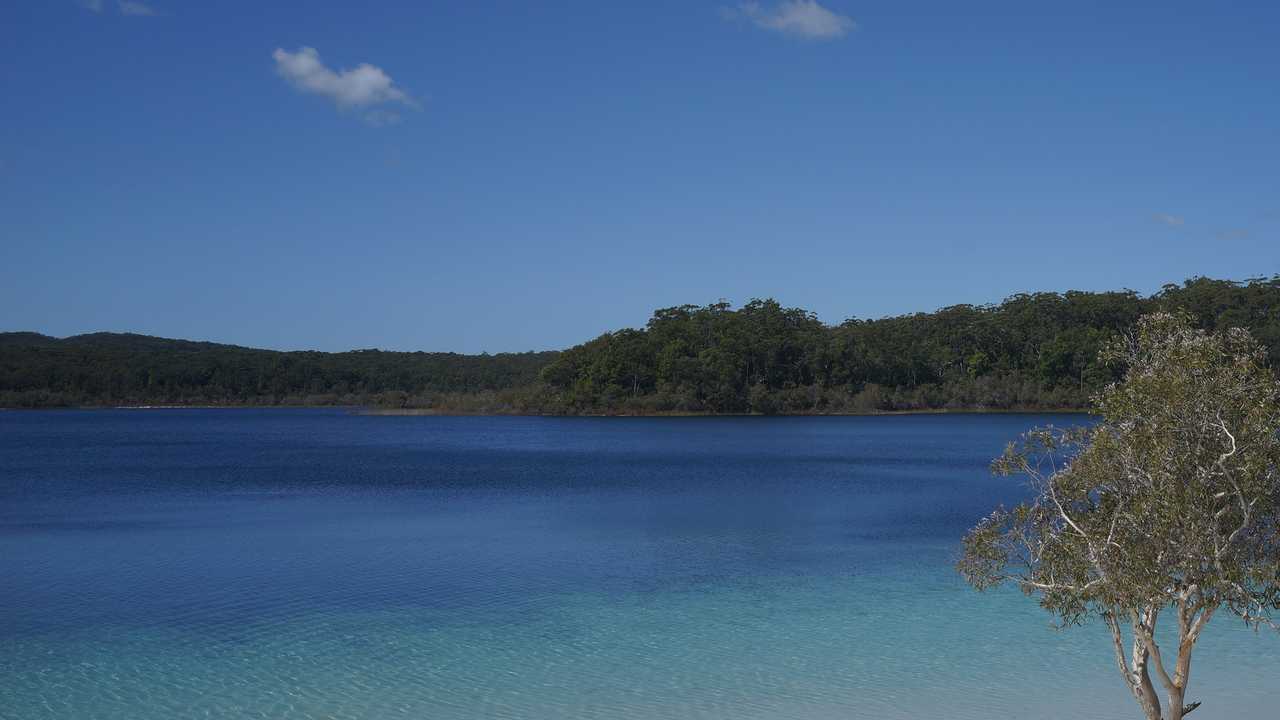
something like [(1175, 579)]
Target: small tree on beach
[(1169, 506)]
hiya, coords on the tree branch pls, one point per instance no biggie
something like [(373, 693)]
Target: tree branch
[(1117, 639), (1144, 631)]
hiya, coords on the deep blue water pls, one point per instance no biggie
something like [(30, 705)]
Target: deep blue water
[(319, 564)]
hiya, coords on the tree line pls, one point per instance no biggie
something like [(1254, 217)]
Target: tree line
[(1030, 352), (125, 369)]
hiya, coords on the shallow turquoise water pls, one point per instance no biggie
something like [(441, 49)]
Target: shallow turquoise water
[(308, 564)]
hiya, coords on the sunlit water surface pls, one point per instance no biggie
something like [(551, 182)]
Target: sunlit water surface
[(318, 564)]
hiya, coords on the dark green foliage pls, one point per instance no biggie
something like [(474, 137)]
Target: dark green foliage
[(1033, 351), (1029, 352), (125, 369)]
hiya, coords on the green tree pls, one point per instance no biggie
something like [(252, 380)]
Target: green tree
[(1169, 506), (1030, 351)]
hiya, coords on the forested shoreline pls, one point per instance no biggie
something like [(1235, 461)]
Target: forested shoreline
[(114, 369), (1030, 352)]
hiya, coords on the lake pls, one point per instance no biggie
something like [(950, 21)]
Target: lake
[(321, 564)]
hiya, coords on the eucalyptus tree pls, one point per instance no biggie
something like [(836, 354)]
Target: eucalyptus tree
[(1167, 509)]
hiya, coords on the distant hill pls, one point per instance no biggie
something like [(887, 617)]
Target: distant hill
[(27, 339), (128, 369), (1032, 351)]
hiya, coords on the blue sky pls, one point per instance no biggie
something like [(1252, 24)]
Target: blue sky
[(511, 176)]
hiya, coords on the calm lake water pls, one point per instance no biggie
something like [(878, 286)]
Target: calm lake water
[(317, 564)]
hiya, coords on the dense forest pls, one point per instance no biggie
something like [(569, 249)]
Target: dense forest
[(1032, 351), (125, 369)]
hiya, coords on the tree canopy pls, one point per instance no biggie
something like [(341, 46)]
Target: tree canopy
[(1032, 351), (1170, 504), (122, 369)]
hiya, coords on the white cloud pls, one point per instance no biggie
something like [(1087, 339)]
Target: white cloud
[(802, 18), (1170, 220), (134, 7), (92, 5), (361, 87)]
